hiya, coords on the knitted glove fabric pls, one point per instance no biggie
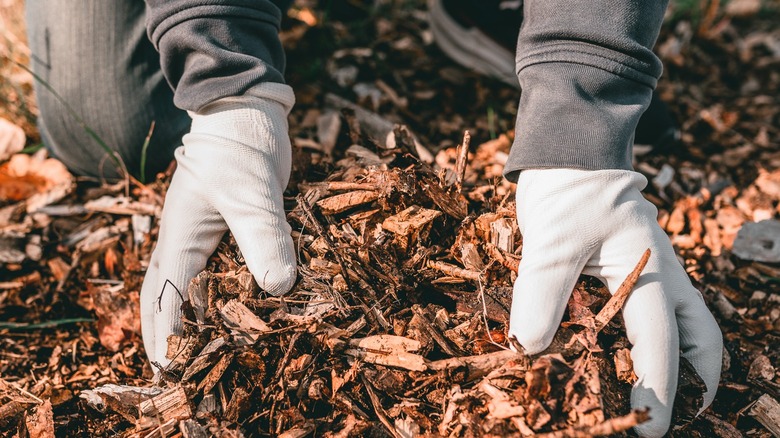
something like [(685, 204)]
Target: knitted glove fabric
[(232, 170), (597, 222)]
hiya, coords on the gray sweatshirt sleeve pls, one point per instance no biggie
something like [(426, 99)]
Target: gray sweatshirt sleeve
[(587, 73), (217, 48)]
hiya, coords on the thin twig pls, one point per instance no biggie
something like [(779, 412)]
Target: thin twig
[(617, 301), (462, 161), (378, 408)]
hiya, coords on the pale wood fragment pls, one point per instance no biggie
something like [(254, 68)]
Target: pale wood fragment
[(624, 366), (410, 220), (462, 161), (165, 429), (245, 326), (208, 406), (470, 257), (766, 410), (172, 404), (123, 206), (502, 235), (122, 398), (500, 405), (454, 271), (191, 429), (712, 237), (337, 186), (386, 343), (407, 361), (456, 396), (325, 266)]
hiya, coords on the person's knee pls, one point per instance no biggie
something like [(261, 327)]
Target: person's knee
[(100, 87), (105, 138)]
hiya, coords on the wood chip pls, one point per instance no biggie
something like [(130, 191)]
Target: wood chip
[(407, 361), (244, 325), (172, 404), (213, 376), (478, 366), (767, 411), (410, 220), (624, 366), (386, 343), (502, 235), (204, 358), (191, 429), (343, 202)]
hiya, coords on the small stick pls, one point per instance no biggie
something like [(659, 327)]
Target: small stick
[(615, 303), (478, 366), (377, 404), (440, 339), (608, 427), (462, 161), (510, 263), (337, 186), (454, 271)]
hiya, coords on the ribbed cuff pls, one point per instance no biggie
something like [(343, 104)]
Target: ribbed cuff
[(210, 51), (574, 115)]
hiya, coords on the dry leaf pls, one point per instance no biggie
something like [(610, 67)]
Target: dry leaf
[(118, 314), (25, 176)]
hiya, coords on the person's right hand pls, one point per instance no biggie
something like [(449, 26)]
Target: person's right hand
[(232, 170)]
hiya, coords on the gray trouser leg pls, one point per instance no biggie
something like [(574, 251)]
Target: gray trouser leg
[(95, 54)]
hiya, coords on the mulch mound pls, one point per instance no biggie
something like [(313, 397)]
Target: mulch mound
[(407, 247)]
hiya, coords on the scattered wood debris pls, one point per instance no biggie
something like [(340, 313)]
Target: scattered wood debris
[(408, 249)]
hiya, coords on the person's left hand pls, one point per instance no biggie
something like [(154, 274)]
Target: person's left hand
[(597, 222)]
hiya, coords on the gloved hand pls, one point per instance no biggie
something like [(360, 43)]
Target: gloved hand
[(232, 170), (598, 222)]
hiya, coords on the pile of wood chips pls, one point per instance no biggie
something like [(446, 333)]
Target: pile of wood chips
[(407, 259), (397, 325)]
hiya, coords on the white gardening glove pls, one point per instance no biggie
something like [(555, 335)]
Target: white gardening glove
[(597, 222), (232, 170)]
